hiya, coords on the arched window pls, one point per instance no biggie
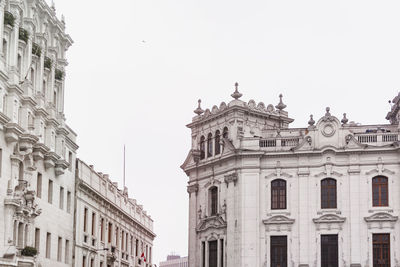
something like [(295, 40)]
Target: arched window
[(19, 63), (213, 200), (278, 194), (44, 86), (209, 145), (380, 192), (202, 148), (5, 50), (217, 143), (225, 133), (33, 76), (20, 235), (328, 194), (21, 171)]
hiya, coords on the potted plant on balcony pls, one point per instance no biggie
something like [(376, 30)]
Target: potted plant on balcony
[(59, 74), (29, 251), (36, 49), (47, 63), (9, 19), (23, 35)]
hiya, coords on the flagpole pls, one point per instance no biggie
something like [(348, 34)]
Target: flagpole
[(124, 166)]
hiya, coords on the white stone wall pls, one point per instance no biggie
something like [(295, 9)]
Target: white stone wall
[(254, 155)]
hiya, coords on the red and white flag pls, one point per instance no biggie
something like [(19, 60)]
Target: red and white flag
[(142, 256)]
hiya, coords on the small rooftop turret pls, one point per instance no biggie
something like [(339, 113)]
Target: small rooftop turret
[(236, 95)]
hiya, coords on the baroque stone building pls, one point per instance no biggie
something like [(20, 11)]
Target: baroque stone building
[(264, 194), (38, 185), (37, 147), (111, 228)]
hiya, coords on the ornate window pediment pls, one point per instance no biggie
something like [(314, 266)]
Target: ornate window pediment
[(279, 223), (212, 222), (329, 221), (381, 220)]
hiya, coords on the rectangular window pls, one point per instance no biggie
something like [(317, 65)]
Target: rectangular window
[(39, 185), (123, 241), (93, 224), (92, 262), (150, 254), (329, 250), (203, 254), (85, 215), (126, 242), (222, 252), (132, 247), (137, 247), (278, 251), (212, 253), (66, 251), (48, 245), (102, 229), (61, 204), (84, 261), (109, 232), (59, 249), (50, 192), (68, 202), (70, 160), (116, 237), (380, 191), (381, 250), (37, 239)]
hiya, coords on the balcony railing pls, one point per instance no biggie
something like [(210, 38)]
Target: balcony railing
[(377, 138), (279, 143)]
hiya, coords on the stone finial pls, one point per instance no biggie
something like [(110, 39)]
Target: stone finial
[(53, 6), (345, 120), (311, 122), (199, 110), (327, 114), (63, 19), (236, 95), (280, 106)]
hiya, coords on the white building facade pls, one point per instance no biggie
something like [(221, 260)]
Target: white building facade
[(38, 172), (37, 177), (112, 230), (264, 194), (175, 261)]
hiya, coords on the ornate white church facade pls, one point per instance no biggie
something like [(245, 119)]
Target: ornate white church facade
[(264, 194)]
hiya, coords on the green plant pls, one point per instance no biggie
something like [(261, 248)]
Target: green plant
[(59, 74), (9, 18), (36, 49), (47, 63), (29, 251), (23, 35)]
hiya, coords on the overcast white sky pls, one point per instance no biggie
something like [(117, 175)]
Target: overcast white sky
[(138, 67)]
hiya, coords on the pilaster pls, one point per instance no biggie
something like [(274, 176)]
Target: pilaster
[(193, 243), (230, 181)]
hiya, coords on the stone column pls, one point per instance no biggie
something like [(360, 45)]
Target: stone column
[(230, 181), (304, 222), (355, 217), (8, 224), (193, 242)]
